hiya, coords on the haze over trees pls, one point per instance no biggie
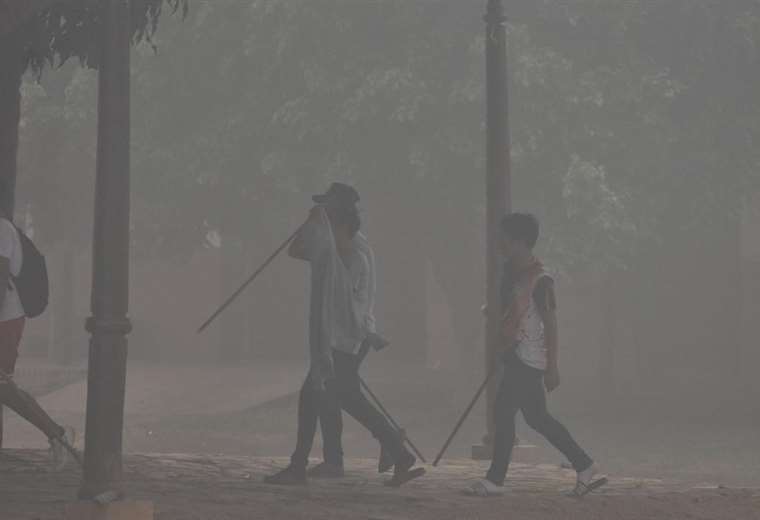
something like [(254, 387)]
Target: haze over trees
[(633, 129)]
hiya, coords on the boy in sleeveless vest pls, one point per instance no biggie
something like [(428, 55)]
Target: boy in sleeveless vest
[(530, 359)]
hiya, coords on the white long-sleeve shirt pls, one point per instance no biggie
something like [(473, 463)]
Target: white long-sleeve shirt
[(368, 287), (342, 295)]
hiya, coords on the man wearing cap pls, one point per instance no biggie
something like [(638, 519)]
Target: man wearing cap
[(340, 320)]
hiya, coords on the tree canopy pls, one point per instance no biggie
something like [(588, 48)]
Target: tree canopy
[(611, 120), (49, 32), (633, 124)]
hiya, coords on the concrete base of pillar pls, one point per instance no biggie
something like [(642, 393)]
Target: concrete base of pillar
[(119, 510)]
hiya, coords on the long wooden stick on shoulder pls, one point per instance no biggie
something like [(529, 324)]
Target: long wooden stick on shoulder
[(248, 282)]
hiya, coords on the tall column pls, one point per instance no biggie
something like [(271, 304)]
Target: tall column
[(12, 67), (497, 193), (109, 324)]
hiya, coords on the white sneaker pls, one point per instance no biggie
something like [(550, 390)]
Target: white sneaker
[(587, 481), (58, 452), (587, 475), (484, 488)]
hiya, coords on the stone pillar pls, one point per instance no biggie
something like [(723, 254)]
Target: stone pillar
[(12, 67), (109, 324)]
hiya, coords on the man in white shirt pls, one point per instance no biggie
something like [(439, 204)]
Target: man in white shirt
[(12, 322), (339, 321)]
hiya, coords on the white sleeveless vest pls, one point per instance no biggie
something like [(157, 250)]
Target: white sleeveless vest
[(531, 337)]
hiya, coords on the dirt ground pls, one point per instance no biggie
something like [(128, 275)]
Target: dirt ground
[(225, 488), (678, 459)]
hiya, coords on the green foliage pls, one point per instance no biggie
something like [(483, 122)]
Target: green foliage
[(71, 29), (631, 122)]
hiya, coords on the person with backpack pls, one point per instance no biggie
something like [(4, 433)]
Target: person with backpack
[(24, 294)]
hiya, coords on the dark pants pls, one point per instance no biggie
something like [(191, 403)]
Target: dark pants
[(523, 389), (24, 404), (341, 393), (10, 394)]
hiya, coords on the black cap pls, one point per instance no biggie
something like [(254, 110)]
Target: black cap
[(339, 194)]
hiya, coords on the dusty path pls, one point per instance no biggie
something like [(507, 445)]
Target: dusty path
[(250, 411), (188, 487)]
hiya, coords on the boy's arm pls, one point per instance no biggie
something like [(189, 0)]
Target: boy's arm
[(548, 311), (551, 378)]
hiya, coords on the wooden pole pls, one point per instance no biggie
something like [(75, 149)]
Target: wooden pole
[(10, 116), (12, 66), (109, 324), (497, 194)]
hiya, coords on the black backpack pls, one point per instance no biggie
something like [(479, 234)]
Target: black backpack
[(32, 281)]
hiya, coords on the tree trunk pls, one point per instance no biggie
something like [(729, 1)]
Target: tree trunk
[(63, 340), (59, 227), (10, 115), (12, 69)]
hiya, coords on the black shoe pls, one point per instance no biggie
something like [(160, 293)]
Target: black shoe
[(403, 472), (290, 476), (385, 462), (404, 463), (326, 470)]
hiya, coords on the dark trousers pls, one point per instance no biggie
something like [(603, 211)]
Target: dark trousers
[(343, 392), (28, 408), (522, 388), (10, 394)]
